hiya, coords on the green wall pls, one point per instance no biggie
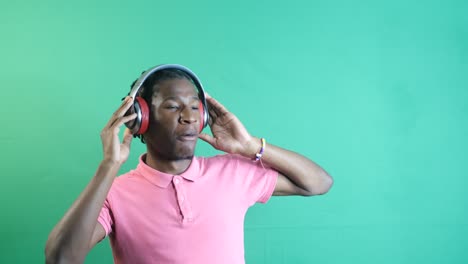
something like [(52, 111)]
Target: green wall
[(375, 92)]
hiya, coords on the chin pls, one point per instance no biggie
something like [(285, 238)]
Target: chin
[(183, 157), (184, 153)]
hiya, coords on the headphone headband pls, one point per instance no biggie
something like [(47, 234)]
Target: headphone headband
[(136, 87)]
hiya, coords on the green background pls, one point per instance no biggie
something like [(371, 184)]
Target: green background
[(375, 92)]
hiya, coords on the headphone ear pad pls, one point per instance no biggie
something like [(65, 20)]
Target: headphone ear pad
[(202, 116), (144, 114)]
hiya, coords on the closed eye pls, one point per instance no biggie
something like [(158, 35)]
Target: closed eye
[(172, 107)]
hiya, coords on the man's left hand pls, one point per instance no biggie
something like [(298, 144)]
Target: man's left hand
[(229, 135)]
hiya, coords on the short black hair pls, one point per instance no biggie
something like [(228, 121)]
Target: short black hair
[(147, 91)]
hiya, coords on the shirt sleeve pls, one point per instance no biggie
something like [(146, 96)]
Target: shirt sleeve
[(105, 216), (259, 180)]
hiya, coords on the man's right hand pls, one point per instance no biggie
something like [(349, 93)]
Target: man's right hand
[(78, 230), (114, 151)]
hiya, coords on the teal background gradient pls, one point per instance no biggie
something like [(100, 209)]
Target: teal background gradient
[(374, 91)]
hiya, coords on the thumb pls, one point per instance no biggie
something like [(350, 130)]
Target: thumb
[(127, 138), (207, 138)]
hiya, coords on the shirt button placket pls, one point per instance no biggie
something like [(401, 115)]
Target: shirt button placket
[(182, 199)]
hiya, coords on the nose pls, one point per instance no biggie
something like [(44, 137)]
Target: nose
[(188, 115)]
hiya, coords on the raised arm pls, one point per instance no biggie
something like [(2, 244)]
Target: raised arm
[(298, 175), (78, 231)]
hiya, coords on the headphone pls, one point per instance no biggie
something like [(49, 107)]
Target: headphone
[(141, 108)]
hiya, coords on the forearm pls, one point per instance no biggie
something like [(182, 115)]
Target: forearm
[(71, 236), (303, 172)]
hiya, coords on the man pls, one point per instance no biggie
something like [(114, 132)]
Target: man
[(174, 207)]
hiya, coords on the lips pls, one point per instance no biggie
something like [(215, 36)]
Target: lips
[(188, 136)]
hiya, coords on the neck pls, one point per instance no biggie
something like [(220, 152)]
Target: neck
[(174, 167)]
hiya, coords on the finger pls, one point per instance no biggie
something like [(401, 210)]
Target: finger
[(212, 113), (207, 138), (127, 138), (210, 121), (212, 109), (123, 120), (127, 102), (123, 108), (217, 106)]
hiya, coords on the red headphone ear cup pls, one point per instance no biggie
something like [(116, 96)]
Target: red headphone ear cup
[(144, 115), (202, 116)]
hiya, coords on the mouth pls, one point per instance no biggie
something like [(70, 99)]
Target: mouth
[(188, 136)]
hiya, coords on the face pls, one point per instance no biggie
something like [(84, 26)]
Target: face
[(174, 120)]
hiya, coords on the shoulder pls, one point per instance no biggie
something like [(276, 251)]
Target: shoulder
[(223, 160), (226, 157), (129, 176), (125, 181), (227, 162)]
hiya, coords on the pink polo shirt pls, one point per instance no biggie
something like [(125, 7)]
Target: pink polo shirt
[(195, 217)]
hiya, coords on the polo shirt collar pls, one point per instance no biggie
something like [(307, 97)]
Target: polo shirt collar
[(162, 179)]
